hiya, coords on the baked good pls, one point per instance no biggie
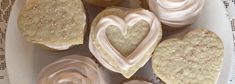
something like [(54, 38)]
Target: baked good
[(137, 82), (176, 13), (72, 69), (104, 3), (57, 24), (123, 39), (196, 59)]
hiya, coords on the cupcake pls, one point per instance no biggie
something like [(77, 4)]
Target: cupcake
[(57, 24), (72, 70), (137, 82), (104, 3), (176, 13), (194, 59), (123, 39)]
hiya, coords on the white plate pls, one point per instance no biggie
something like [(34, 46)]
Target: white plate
[(24, 60)]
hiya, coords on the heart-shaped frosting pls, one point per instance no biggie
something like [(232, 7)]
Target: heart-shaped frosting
[(109, 56), (118, 39), (194, 60), (72, 70), (176, 13)]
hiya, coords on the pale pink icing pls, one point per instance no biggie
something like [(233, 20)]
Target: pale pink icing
[(125, 63), (72, 70), (176, 13)]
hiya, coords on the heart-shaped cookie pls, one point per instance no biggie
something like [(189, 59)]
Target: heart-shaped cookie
[(123, 39), (118, 38), (194, 60)]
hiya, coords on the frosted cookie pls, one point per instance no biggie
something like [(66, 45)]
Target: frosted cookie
[(104, 3), (123, 39), (136, 82), (176, 13), (72, 70), (195, 59), (57, 24)]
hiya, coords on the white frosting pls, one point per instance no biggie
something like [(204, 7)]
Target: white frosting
[(59, 47), (176, 13), (137, 82), (124, 62), (72, 70)]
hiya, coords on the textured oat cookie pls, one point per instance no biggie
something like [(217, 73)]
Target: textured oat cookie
[(55, 23), (196, 59), (104, 3), (125, 40)]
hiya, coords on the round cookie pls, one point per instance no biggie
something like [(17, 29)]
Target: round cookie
[(58, 24), (195, 59)]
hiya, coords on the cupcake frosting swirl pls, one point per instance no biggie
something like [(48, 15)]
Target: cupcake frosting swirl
[(176, 13), (72, 70)]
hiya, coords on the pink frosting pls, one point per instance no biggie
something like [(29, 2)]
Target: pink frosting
[(176, 13), (125, 62), (72, 70)]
